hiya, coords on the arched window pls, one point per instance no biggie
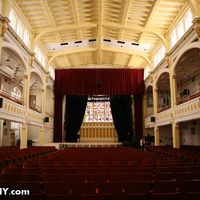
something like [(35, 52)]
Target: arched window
[(16, 93)]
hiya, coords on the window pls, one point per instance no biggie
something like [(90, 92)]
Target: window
[(173, 38), (146, 71), (16, 93), (52, 72), (19, 27), (180, 30), (26, 37), (98, 111), (12, 18), (159, 55), (40, 56), (188, 20), (184, 24)]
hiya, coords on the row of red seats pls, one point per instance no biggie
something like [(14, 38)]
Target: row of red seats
[(188, 153), (122, 159), (16, 156)]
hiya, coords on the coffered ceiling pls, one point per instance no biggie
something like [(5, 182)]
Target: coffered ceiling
[(105, 33)]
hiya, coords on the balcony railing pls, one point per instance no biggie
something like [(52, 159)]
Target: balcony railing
[(7, 95), (35, 108), (164, 107), (194, 94)]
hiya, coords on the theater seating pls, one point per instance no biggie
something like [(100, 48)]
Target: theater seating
[(103, 173)]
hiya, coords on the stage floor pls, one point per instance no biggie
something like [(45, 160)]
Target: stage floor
[(62, 145)]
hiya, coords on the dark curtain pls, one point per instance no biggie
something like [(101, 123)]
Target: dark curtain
[(58, 102), (74, 113), (99, 81), (138, 105), (122, 116)]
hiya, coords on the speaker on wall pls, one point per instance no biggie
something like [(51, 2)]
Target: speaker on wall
[(1, 102), (153, 119), (46, 119)]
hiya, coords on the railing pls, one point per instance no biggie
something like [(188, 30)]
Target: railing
[(49, 114), (194, 94), (35, 108), (6, 95), (166, 107)]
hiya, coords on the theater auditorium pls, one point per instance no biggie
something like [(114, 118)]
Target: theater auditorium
[(100, 99)]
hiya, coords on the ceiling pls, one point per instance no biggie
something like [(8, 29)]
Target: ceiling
[(105, 33)]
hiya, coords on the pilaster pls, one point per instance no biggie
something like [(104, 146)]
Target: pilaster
[(156, 135), (175, 135), (23, 136)]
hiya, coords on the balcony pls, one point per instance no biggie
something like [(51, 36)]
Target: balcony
[(7, 95), (35, 108), (189, 96)]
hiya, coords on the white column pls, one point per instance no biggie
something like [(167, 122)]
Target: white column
[(155, 101), (156, 136), (41, 136), (23, 136), (176, 135), (26, 90), (1, 131)]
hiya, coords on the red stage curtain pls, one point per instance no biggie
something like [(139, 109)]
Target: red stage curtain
[(99, 81), (138, 99), (58, 123)]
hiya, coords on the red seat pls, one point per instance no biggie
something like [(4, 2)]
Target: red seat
[(191, 196), (83, 188), (165, 187), (139, 196), (29, 178), (164, 176), (133, 187), (111, 188), (62, 196), (189, 186), (97, 197), (166, 196), (56, 188)]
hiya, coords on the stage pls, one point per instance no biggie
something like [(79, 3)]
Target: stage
[(62, 145)]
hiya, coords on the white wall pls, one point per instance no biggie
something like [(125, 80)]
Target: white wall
[(190, 132), (165, 135), (7, 85), (48, 135), (33, 133), (38, 94), (49, 103), (1, 7), (191, 84), (6, 134)]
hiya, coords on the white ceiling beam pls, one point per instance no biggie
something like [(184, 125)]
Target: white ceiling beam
[(153, 10), (136, 28), (52, 21), (99, 41), (68, 52), (145, 56), (62, 28), (124, 18), (75, 14)]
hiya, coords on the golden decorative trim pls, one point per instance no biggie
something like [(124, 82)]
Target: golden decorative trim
[(5, 24)]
